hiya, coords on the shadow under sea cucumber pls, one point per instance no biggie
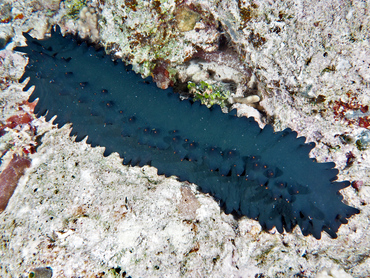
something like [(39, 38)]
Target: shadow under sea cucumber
[(259, 173)]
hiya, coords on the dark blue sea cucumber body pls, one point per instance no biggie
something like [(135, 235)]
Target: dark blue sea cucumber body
[(258, 173)]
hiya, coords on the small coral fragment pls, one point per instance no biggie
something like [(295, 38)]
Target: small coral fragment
[(88, 24), (248, 99)]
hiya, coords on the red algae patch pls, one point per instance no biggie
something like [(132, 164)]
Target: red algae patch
[(352, 111), (9, 178)]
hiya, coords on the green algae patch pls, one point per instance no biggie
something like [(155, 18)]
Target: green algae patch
[(74, 7), (208, 94)]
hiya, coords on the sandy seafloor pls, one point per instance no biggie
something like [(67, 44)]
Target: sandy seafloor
[(80, 214)]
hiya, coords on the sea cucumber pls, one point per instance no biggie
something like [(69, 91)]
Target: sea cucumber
[(259, 173)]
